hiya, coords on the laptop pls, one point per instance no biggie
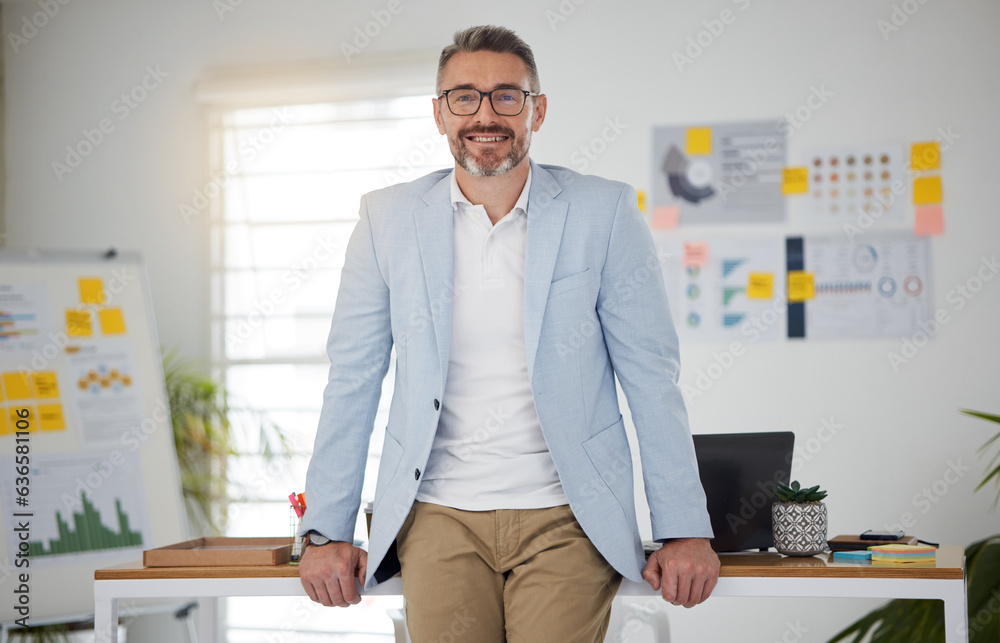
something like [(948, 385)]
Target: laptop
[(739, 472)]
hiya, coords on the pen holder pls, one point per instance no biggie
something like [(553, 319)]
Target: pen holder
[(295, 523)]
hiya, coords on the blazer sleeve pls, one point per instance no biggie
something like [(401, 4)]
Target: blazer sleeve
[(642, 343), (359, 347)]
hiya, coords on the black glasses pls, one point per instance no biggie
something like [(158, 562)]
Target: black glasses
[(505, 102)]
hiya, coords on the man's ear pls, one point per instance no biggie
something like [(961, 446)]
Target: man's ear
[(541, 103), (438, 120)]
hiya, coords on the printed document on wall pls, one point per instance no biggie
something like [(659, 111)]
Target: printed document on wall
[(106, 396), (879, 285), (726, 173), (725, 287), (82, 506)]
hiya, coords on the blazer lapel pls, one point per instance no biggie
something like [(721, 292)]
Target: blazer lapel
[(435, 239), (546, 219)]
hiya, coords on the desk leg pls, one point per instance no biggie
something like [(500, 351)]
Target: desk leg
[(208, 620), (106, 620), (956, 616)]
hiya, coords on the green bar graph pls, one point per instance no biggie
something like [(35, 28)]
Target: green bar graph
[(88, 533)]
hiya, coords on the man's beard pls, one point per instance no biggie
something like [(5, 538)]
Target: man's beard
[(490, 164)]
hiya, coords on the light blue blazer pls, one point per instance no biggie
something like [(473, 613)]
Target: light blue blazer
[(594, 307)]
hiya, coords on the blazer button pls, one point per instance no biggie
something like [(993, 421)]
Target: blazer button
[(416, 474), (437, 405)]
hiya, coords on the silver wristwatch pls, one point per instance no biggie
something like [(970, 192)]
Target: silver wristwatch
[(317, 539)]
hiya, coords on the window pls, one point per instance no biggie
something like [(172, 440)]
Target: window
[(289, 180)]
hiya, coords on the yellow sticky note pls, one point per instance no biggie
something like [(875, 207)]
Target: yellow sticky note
[(46, 386), (927, 190), (50, 417), (4, 423), (15, 412), (695, 253), (112, 321), (699, 140), (925, 156), (79, 323), (642, 201), (794, 180), (17, 385), (929, 220), (801, 286), (91, 290), (761, 285)]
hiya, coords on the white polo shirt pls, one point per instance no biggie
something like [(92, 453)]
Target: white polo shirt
[(488, 451)]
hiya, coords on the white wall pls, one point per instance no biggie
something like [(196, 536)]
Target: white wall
[(937, 71)]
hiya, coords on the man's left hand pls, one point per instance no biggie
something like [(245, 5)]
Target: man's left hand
[(685, 571)]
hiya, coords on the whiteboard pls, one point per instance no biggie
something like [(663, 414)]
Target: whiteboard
[(80, 364)]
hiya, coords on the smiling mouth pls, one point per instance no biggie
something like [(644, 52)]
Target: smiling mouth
[(487, 139)]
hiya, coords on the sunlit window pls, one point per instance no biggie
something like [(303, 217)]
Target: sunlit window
[(289, 180)]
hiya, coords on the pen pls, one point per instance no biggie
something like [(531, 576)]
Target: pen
[(299, 509)]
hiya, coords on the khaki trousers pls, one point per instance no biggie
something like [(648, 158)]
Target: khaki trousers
[(508, 575)]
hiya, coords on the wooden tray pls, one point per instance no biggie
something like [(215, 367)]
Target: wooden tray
[(220, 552)]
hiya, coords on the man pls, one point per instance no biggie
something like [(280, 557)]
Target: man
[(514, 293)]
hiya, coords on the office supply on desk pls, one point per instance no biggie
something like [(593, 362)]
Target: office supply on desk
[(902, 554), (739, 472), (220, 552), (852, 556), (850, 542)]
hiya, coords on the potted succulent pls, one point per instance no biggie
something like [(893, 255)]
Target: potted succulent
[(799, 520)]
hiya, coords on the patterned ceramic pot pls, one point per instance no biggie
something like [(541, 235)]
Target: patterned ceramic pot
[(799, 528)]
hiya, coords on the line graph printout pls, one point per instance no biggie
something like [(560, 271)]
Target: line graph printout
[(83, 507)]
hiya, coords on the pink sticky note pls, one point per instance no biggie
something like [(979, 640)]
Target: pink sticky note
[(929, 221), (665, 217), (695, 253)]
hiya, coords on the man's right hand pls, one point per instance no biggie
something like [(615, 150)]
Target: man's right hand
[(328, 572)]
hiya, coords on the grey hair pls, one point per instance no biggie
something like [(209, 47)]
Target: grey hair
[(490, 38)]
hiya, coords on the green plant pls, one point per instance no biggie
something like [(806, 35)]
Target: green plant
[(922, 621), (795, 493), (206, 429), (994, 473)]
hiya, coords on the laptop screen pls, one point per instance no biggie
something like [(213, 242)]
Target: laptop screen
[(739, 472)]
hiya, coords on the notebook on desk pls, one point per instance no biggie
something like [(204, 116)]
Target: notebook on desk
[(739, 472)]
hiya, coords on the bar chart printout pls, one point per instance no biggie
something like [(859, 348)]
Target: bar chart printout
[(84, 506)]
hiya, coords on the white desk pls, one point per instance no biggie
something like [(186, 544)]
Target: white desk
[(741, 575)]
